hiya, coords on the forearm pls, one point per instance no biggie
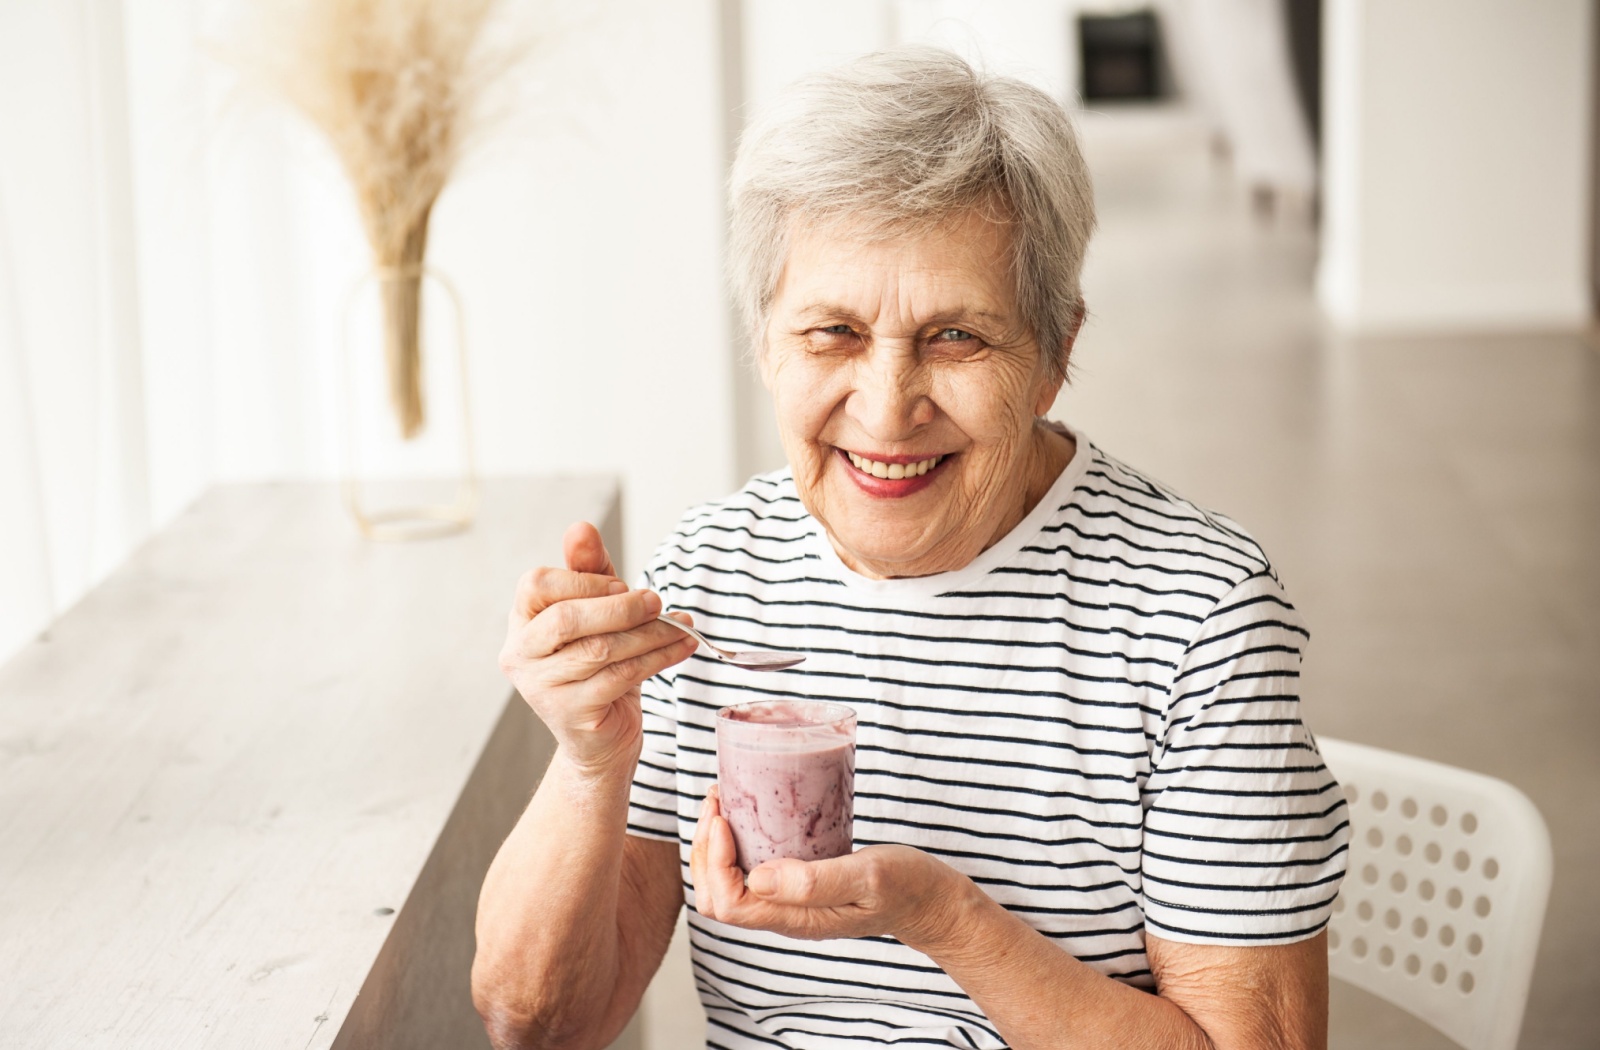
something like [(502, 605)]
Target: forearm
[(547, 960), (1039, 996)]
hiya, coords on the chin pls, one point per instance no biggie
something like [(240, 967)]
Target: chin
[(882, 547), (879, 532)]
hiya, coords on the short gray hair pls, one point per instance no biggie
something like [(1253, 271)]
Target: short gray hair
[(901, 140)]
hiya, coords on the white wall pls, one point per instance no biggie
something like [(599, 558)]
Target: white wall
[(1456, 160), (585, 240), (174, 257), (73, 488), (597, 326)]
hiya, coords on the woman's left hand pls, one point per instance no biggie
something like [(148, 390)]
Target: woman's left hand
[(894, 890)]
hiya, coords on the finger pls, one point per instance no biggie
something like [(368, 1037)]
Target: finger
[(539, 589), (704, 900), (567, 622), (585, 551), (585, 657), (722, 866), (595, 693), (623, 675), (812, 884)]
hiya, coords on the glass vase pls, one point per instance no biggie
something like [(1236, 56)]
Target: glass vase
[(408, 469)]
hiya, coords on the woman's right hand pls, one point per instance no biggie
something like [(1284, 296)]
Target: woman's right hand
[(579, 644)]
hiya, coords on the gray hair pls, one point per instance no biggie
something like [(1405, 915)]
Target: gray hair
[(901, 140)]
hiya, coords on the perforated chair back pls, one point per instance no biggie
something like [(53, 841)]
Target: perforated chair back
[(1441, 910)]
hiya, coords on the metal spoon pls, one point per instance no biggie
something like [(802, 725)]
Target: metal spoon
[(750, 660)]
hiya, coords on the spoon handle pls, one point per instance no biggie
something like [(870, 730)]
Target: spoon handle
[(686, 629)]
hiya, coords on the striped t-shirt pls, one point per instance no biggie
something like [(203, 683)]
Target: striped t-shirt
[(1097, 721)]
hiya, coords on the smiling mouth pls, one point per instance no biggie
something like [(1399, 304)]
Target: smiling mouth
[(893, 471)]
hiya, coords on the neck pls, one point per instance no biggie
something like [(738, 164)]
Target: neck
[(1048, 456)]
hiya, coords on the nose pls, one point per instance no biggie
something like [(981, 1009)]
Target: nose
[(890, 399)]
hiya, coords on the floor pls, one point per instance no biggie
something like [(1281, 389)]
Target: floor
[(1432, 504)]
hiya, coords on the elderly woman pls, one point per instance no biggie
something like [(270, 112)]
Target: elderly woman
[(1088, 813)]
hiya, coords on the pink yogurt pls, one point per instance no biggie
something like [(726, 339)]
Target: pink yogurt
[(786, 770)]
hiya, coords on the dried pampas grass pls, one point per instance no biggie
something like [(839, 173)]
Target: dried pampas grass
[(395, 86)]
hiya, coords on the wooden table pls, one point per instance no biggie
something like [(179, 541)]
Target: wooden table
[(250, 784)]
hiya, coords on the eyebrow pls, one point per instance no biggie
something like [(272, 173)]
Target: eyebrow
[(824, 309)]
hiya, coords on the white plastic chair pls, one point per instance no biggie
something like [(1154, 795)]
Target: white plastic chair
[(1441, 911)]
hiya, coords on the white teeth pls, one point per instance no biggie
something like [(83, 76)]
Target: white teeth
[(893, 471)]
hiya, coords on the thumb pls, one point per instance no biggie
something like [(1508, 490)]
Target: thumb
[(585, 551), (807, 884)]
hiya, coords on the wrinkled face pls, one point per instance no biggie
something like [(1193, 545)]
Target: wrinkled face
[(907, 388)]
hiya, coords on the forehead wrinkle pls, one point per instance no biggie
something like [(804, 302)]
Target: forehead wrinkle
[(945, 296), (837, 275), (940, 306)]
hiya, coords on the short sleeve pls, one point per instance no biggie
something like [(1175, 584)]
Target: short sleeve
[(653, 799), (1245, 829)]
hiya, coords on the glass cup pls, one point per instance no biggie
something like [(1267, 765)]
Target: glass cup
[(786, 771)]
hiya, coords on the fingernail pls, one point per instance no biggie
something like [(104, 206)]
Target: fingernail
[(616, 587), (762, 881), (652, 601)]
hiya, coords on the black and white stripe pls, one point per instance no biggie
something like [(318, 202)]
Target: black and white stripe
[(1097, 721)]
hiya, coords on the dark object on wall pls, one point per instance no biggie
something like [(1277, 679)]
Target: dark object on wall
[(1122, 57), (1304, 21)]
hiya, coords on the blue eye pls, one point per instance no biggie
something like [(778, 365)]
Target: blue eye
[(954, 335), (837, 329)]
